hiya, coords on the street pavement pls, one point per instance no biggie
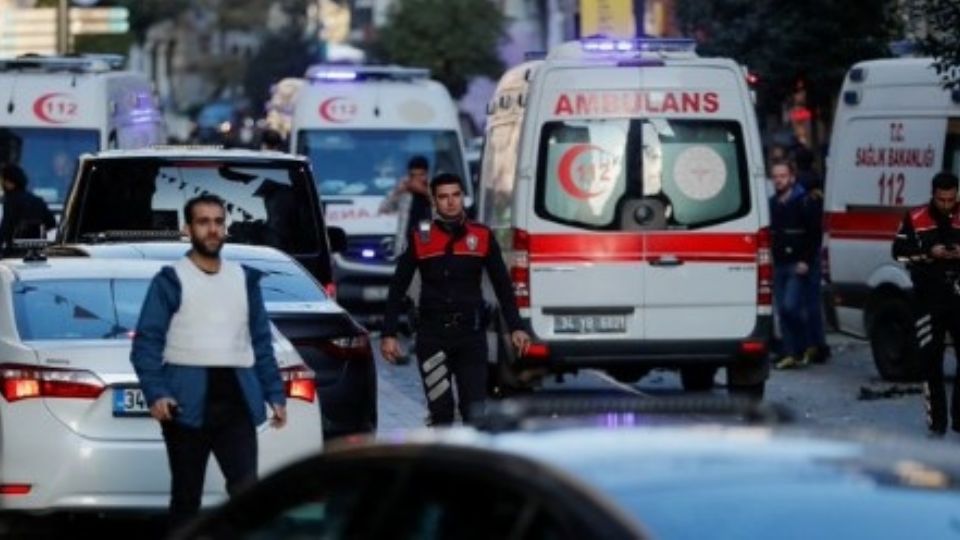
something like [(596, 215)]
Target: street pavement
[(844, 393)]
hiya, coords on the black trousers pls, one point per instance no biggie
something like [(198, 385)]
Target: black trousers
[(933, 322), (227, 432), (463, 364)]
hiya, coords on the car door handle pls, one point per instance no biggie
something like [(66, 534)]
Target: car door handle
[(666, 260)]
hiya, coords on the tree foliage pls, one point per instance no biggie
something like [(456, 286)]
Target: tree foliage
[(786, 41), (941, 40), (456, 39)]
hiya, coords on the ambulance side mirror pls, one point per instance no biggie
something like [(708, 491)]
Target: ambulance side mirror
[(338, 239)]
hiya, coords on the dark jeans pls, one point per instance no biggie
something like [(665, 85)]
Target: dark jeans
[(464, 365), (790, 292), (932, 323), (227, 432)]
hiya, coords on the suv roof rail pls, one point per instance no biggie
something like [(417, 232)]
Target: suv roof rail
[(34, 248), (132, 236), (511, 414), (85, 63), (351, 73)]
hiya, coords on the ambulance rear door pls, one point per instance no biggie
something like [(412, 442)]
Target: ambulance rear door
[(646, 224)]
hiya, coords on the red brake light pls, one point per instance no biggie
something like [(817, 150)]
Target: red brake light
[(753, 348), (348, 348), (14, 489), (299, 383), (520, 267), (537, 351), (331, 290), (19, 381)]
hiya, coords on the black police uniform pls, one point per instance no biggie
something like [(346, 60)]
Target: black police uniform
[(451, 327), (937, 291)]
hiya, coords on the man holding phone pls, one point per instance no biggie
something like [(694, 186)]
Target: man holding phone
[(928, 241), (203, 352), (451, 253)]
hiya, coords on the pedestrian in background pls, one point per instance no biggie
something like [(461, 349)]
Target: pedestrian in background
[(796, 234), (410, 199), (450, 254), (204, 356), (928, 241), (25, 215)]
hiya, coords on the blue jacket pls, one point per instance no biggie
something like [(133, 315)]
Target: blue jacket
[(260, 383)]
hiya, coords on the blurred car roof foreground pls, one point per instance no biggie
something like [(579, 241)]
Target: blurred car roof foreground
[(587, 479)]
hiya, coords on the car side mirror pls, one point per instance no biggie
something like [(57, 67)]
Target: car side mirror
[(338, 239)]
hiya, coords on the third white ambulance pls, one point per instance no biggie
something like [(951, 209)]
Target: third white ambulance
[(634, 217), (895, 127)]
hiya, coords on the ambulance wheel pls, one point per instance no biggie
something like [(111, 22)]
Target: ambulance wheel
[(698, 378), (890, 330)]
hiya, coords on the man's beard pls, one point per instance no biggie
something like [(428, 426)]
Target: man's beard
[(202, 249)]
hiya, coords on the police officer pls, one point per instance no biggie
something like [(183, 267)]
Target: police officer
[(928, 241), (451, 254)]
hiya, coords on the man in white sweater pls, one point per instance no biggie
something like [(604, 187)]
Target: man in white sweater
[(204, 356)]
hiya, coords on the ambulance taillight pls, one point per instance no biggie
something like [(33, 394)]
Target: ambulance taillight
[(520, 267), (764, 273)]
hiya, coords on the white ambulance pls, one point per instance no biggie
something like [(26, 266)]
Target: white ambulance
[(626, 182), (895, 127), (52, 109), (360, 125)]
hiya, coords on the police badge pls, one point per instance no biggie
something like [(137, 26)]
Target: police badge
[(472, 242)]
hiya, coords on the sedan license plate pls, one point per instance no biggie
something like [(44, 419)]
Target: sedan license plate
[(129, 402), (589, 324), (374, 294)]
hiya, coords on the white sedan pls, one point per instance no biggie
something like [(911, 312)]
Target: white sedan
[(74, 429)]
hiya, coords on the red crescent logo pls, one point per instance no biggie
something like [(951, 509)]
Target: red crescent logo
[(337, 110), (565, 170), (55, 108)]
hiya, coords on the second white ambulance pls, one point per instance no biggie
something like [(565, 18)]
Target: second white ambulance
[(895, 127), (52, 109), (634, 218)]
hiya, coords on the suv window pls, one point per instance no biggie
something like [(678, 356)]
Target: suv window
[(625, 174), (267, 201)]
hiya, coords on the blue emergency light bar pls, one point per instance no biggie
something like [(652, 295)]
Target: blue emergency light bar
[(339, 73), (606, 45)]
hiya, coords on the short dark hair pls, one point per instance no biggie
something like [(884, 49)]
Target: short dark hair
[(206, 198), (13, 173), (945, 180), (418, 162), (444, 179), (782, 162)]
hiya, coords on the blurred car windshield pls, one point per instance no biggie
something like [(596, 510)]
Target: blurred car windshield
[(265, 201), (48, 156), (78, 308), (371, 161)]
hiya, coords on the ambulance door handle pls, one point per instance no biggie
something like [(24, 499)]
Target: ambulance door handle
[(666, 260)]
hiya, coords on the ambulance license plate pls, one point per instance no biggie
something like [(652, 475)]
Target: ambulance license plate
[(129, 402), (589, 324)]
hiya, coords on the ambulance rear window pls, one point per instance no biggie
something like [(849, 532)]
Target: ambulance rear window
[(48, 156), (630, 174)]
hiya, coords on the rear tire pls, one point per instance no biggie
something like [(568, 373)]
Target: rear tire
[(750, 391), (698, 378), (890, 330)]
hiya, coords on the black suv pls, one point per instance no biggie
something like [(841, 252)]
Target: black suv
[(270, 196)]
